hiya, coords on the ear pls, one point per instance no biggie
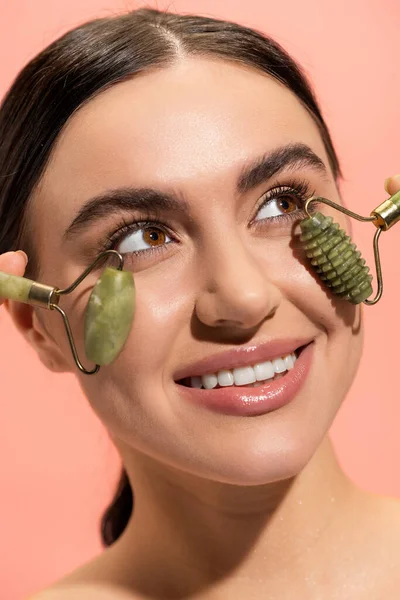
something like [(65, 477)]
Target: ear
[(28, 322)]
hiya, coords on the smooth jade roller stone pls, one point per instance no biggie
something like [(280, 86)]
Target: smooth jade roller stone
[(109, 315), (15, 287)]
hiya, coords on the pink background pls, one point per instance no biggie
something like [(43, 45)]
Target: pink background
[(58, 467)]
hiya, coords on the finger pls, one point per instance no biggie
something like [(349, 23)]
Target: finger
[(392, 184)]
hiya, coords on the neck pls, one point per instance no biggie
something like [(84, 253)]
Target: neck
[(191, 536)]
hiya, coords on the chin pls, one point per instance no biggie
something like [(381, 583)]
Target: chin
[(265, 458)]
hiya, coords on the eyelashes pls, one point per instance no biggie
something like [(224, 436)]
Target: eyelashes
[(126, 228), (297, 190), (300, 191)]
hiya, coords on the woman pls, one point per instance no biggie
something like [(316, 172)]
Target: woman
[(190, 145)]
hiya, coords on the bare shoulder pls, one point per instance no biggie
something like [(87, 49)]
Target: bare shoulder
[(382, 538), (386, 513), (94, 580), (369, 542), (84, 591)]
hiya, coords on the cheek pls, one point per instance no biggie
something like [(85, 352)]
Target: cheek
[(304, 289), (339, 321), (132, 387), (341, 329), (163, 310)]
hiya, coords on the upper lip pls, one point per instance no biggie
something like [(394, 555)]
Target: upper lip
[(241, 357)]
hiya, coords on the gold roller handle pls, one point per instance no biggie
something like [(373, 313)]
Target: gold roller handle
[(109, 312), (383, 217), (387, 213), (21, 289)]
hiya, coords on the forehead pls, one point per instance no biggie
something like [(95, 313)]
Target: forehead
[(194, 123)]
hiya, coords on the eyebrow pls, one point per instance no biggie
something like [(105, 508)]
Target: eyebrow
[(149, 200)]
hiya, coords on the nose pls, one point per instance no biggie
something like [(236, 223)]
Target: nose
[(237, 291)]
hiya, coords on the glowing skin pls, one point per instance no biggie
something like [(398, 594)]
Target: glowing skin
[(254, 506)]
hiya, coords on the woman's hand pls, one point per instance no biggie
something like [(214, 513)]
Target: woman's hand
[(13, 263), (392, 184)]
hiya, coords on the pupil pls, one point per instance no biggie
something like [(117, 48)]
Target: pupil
[(286, 204), (154, 236)]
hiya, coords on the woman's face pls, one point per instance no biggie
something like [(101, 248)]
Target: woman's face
[(218, 269)]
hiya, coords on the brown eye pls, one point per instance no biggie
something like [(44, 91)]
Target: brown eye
[(154, 236), (277, 206), (148, 237), (286, 204)]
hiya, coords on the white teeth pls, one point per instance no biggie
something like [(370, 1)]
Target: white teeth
[(279, 365), (209, 381), (264, 370), (225, 378), (195, 382), (245, 375), (289, 361)]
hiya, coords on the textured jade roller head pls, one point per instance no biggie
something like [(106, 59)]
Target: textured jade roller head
[(108, 315), (335, 257)]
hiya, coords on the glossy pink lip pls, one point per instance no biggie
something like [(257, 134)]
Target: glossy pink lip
[(241, 357), (250, 402)]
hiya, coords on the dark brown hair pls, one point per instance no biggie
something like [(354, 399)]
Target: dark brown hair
[(83, 63)]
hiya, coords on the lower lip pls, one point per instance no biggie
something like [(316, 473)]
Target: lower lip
[(250, 402)]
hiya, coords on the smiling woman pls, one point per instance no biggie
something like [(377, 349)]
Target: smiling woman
[(190, 145)]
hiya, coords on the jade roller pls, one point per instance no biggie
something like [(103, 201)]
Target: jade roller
[(335, 257), (108, 314)]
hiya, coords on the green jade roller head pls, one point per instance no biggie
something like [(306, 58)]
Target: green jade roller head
[(335, 257), (108, 315)]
